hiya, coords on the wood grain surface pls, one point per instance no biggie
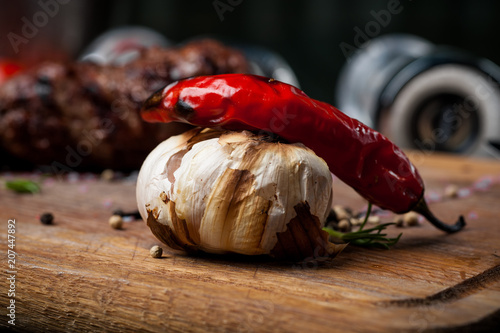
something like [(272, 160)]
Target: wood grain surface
[(80, 275)]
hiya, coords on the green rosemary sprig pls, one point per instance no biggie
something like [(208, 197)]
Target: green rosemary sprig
[(22, 186), (371, 237)]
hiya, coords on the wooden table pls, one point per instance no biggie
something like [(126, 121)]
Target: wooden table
[(80, 275)]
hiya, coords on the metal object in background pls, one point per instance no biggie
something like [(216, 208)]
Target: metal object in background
[(121, 45), (263, 61), (270, 64), (423, 96)]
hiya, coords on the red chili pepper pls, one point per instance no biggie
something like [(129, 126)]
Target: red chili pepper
[(360, 156)]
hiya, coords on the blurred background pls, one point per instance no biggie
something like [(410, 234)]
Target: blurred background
[(307, 33), (315, 37)]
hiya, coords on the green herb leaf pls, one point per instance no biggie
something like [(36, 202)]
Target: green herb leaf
[(23, 186), (372, 237)]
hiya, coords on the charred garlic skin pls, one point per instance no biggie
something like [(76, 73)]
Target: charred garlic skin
[(236, 192)]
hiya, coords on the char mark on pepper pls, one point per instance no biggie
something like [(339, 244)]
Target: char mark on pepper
[(183, 109), (154, 101)]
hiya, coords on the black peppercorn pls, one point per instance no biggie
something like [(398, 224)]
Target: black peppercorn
[(47, 218)]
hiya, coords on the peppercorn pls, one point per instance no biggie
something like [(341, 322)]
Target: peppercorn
[(341, 212), (374, 219), (156, 251), (108, 175), (116, 222), (410, 219), (451, 191), (399, 221), (344, 225), (47, 218)]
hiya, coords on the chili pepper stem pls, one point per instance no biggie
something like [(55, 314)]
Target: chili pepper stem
[(424, 210)]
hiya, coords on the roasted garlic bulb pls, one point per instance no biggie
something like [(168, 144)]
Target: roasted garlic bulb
[(237, 192)]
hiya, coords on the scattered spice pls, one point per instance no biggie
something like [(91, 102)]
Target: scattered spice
[(371, 237), (156, 251), (344, 225), (116, 222), (108, 175), (341, 213), (399, 221), (451, 191), (23, 186), (47, 218), (355, 221), (410, 219), (374, 219), (371, 219)]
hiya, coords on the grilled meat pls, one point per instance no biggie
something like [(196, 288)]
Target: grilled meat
[(82, 115)]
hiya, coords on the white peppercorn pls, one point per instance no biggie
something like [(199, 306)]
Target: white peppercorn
[(156, 251), (116, 222)]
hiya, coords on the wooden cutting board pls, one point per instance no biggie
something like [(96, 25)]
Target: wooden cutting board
[(79, 275)]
